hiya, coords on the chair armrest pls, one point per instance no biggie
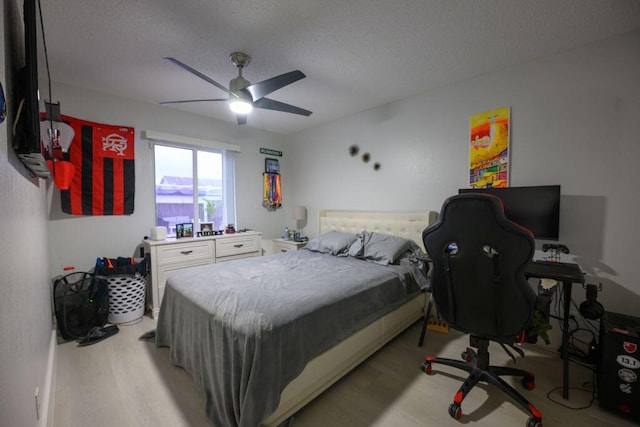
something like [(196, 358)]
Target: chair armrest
[(426, 260)]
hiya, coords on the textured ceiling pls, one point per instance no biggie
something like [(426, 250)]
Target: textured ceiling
[(357, 54)]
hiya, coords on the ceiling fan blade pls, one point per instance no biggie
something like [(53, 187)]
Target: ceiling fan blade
[(270, 104), (193, 100), (265, 87), (199, 74), (242, 119)]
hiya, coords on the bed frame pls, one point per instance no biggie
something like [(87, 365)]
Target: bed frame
[(334, 363)]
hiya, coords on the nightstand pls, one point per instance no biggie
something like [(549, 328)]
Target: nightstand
[(284, 245)]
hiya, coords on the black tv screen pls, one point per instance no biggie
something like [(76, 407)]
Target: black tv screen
[(536, 208), (27, 142)]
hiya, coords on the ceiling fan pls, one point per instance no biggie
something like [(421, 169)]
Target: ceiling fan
[(243, 96)]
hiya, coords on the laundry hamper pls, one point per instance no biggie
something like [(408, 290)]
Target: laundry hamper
[(126, 297), (125, 279)]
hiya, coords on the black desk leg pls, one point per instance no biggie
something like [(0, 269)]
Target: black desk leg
[(565, 339), (425, 320)]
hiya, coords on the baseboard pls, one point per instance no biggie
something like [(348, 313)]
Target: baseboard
[(47, 396)]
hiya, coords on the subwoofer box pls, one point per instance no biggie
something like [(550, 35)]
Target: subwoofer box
[(619, 367)]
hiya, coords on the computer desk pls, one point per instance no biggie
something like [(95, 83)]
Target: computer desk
[(567, 274)]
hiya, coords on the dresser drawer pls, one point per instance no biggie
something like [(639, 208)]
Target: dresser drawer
[(186, 253), (237, 245), (163, 273), (279, 247), (285, 245)]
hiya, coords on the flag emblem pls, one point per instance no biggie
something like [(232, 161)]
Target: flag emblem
[(104, 181)]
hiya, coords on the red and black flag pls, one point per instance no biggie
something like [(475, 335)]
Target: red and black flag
[(104, 178)]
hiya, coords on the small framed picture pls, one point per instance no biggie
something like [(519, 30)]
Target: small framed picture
[(187, 230), (206, 229), (271, 165), (179, 231)]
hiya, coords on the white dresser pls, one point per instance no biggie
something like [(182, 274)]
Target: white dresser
[(173, 254)]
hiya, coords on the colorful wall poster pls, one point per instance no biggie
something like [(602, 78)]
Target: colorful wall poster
[(489, 149)]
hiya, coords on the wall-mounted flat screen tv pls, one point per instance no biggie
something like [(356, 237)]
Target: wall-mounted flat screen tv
[(27, 142), (536, 208)]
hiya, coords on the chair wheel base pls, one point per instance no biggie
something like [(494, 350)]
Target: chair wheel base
[(534, 422), (528, 383), (468, 355), (456, 411)]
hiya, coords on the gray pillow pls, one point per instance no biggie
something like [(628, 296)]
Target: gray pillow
[(380, 248), (332, 242)]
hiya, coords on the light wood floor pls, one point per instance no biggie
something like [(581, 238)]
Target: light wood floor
[(125, 382)]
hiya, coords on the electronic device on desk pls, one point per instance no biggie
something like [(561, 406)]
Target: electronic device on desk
[(536, 208), (555, 251), (301, 239)]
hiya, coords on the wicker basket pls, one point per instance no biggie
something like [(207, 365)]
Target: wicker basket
[(126, 298)]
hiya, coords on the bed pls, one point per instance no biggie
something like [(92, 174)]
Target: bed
[(263, 336)]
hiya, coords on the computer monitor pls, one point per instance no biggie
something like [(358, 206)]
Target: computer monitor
[(536, 208)]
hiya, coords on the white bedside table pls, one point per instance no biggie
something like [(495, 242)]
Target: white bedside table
[(284, 245)]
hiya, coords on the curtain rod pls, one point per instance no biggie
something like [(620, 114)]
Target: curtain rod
[(161, 136)]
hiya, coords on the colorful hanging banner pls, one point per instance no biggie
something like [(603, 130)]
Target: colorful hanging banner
[(489, 149), (272, 198)]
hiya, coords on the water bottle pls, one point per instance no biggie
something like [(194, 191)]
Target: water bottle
[(286, 233)]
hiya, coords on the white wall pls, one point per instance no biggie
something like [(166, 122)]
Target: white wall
[(25, 300), (574, 122), (79, 240)]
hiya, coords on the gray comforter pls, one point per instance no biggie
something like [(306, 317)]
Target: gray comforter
[(244, 329)]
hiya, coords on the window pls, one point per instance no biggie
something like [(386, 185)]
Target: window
[(194, 185)]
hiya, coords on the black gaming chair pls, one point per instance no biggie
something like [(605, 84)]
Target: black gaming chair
[(479, 258)]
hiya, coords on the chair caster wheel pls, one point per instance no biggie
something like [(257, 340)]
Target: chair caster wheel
[(528, 383), (426, 367), (456, 411), (534, 422)]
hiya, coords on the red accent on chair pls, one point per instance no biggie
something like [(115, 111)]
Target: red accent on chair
[(534, 411)]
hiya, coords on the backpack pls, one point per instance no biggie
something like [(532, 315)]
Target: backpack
[(81, 302)]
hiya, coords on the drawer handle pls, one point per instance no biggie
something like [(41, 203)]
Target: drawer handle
[(238, 245), (185, 252), (283, 250)]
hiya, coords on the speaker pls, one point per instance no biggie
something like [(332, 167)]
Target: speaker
[(591, 309), (619, 366)]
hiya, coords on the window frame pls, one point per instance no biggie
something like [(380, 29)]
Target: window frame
[(228, 181)]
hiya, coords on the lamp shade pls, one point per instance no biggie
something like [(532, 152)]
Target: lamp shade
[(300, 215)]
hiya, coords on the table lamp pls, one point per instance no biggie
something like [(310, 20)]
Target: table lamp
[(300, 215)]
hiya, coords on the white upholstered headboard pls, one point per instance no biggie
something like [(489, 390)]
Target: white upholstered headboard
[(407, 225)]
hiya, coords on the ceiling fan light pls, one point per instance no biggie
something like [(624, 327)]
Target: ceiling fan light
[(240, 107)]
